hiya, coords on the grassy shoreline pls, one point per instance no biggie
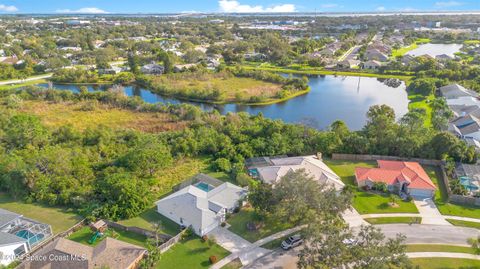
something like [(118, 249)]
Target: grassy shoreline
[(328, 72)]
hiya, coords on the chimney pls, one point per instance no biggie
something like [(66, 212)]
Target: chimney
[(319, 156)]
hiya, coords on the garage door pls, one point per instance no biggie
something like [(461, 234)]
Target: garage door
[(421, 193)]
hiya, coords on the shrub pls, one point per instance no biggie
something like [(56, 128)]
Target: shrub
[(204, 238), (213, 259), (243, 179), (223, 224)]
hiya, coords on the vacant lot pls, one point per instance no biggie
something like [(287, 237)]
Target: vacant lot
[(76, 115), (366, 202), (215, 87), (61, 219)]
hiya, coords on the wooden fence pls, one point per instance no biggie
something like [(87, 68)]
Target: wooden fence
[(137, 230), (167, 245)]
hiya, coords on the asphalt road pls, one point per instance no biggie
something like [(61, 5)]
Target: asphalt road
[(416, 234)]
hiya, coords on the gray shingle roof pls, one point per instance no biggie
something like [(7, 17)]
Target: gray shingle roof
[(7, 216), (7, 239)]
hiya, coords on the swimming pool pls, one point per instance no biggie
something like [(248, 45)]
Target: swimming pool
[(468, 184), (31, 237), (204, 186)]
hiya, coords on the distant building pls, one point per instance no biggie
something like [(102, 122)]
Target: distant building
[(443, 57), (348, 64), (183, 67), (152, 69), (373, 65), (375, 54)]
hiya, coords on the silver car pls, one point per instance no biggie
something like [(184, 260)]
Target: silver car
[(292, 241)]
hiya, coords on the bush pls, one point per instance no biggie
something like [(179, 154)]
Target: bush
[(243, 179), (221, 165), (204, 238), (223, 224), (213, 259)]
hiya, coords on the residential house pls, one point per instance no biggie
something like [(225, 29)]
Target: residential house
[(469, 176), (407, 59), (467, 126), (109, 253), (348, 64), (255, 56), (152, 69), (110, 71), (400, 177), (443, 57), (375, 55), (271, 169), (18, 235), (454, 91), (373, 65), (183, 67), (203, 204)]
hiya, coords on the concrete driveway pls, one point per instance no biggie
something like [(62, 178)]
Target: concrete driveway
[(278, 259), (429, 212)]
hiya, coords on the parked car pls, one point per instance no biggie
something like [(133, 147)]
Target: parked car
[(292, 241)]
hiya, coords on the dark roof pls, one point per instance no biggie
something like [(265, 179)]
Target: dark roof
[(469, 170)]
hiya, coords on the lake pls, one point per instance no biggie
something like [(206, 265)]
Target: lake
[(331, 98), (435, 50)]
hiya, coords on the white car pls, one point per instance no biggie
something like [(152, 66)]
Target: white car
[(292, 241)]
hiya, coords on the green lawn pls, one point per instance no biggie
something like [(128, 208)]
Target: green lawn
[(149, 217), (402, 51), (83, 236), (441, 199), (190, 253), (235, 264), (422, 102), (19, 85), (446, 263), (366, 202), (61, 219), (388, 220), (270, 226), (439, 248), (463, 223)]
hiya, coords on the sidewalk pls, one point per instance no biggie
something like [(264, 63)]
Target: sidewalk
[(443, 255)]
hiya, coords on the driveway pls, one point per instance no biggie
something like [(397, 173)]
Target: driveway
[(429, 212), (278, 259), (353, 218), (230, 241), (239, 247)]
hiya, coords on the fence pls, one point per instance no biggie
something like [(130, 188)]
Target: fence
[(137, 230), (465, 200), (167, 245), (358, 157)]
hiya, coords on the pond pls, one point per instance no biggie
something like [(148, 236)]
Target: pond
[(435, 50), (331, 98)]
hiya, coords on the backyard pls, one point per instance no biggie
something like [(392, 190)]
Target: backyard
[(268, 226), (61, 219), (85, 234), (148, 218), (441, 199), (191, 253), (367, 202)]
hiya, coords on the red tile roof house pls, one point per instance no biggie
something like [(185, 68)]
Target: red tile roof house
[(407, 177)]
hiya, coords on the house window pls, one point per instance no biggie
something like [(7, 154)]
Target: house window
[(20, 250)]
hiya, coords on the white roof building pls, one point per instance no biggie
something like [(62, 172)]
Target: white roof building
[(201, 206), (313, 166), (454, 91)]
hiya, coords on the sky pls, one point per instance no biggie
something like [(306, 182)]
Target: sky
[(169, 6)]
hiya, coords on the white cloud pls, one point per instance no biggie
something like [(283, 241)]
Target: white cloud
[(8, 8), (85, 10), (329, 5), (235, 6), (448, 4), (380, 8)]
